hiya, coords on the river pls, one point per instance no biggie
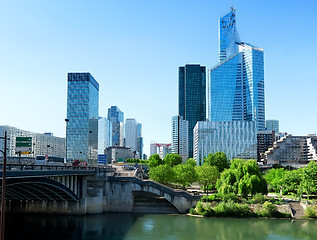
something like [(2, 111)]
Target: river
[(119, 226)]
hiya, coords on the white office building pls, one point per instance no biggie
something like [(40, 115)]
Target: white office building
[(237, 139), (180, 136)]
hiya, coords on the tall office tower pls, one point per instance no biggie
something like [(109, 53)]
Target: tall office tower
[(140, 140), (82, 105), (116, 117), (180, 136), (104, 134), (236, 84), (131, 134), (192, 97), (272, 125)]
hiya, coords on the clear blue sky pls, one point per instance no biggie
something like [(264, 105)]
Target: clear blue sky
[(133, 48)]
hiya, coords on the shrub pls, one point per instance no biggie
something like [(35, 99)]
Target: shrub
[(268, 209), (310, 212), (192, 211), (200, 207), (231, 209), (211, 198), (230, 197), (258, 199)]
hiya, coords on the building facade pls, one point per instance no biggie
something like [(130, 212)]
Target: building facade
[(82, 105), (161, 149), (140, 140), (42, 144), (265, 140), (293, 151), (272, 125), (180, 136), (116, 116), (120, 154), (237, 139), (236, 85), (131, 134), (104, 134), (192, 97)]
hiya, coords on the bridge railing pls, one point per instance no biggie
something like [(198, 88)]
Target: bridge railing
[(27, 167)]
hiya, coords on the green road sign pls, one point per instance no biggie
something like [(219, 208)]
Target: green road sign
[(23, 142)]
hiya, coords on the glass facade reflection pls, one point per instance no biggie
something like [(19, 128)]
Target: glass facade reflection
[(82, 105), (116, 117), (236, 84), (192, 97)]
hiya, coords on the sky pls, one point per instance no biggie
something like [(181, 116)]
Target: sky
[(134, 48)]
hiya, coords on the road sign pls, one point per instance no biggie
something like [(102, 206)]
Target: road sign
[(23, 145), (102, 158)]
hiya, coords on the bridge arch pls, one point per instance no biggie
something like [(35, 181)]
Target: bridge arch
[(38, 189)]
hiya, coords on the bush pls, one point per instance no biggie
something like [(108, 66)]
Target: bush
[(268, 209), (211, 198), (230, 197), (231, 209), (192, 211), (310, 212), (258, 199)]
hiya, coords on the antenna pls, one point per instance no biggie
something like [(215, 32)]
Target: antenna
[(232, 8)]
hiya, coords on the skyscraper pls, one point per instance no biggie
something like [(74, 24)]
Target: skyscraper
[(236, 84), (272, 125), (82, 105), (116, 117), (192, 97), (131, 133), (180, 136)]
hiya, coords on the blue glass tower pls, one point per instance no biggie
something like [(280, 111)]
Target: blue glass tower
[(116, 117), (82, 106), (236, 84), (192, 97)]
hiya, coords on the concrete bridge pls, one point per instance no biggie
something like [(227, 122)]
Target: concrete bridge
[(75, 190)]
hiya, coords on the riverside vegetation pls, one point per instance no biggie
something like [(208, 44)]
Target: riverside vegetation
[(241, 189)]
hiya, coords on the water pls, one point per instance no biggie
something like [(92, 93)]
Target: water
[(131, 226)]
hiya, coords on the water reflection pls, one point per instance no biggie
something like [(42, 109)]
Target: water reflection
[(131, 226)]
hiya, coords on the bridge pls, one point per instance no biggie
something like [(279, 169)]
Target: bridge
[(83, 190)]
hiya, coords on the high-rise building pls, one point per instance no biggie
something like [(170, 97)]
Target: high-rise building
[(180, 136), (192, 97), (104, 134), (236, 84), (131, 134), (82, 105), (116, 116), (237, 139), (272, 125), (140, 140)]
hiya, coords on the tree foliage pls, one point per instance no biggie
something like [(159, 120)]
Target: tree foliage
[(309, 178), (162, 173), (191, 162), (155, 160), (243, 177), (218, 159), (185, 174), (172, 159), (207, 175)]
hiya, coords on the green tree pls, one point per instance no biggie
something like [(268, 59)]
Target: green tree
[(291, 181), (218, 159), (243, 177), (185, 174), (155, 160), (309, 176), (172, 159), (274, 178), (191, 161), (162, 173), (207, 175)]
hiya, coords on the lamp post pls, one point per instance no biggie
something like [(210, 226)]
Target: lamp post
[(90, 142), (3, 198)]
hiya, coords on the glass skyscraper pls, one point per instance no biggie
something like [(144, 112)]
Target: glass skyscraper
[(236, 84), (82, 105), (116, 117), (192, 97)]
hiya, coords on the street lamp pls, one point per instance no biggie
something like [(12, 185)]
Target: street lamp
[(90, 133)]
